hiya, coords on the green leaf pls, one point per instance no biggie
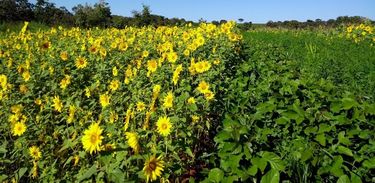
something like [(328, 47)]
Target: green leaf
[(21, 172), (336, 167), (3, 148), (116, 176), (230, 179), (260, 163), (216, 175), (88, 173), (348, 103), (188, 151), (343, 139), (192, 107), (253, 170), (282, 120), (335, 106), (370, 164), (321, 139), (344, 150), (355, 178), (274, 160), (272, 176), (3, 177), (324, 128), (343, 179)]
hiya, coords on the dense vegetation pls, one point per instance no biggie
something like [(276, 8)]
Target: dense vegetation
[(99, 15)]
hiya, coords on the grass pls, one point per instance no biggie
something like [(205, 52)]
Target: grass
[(349, 65)]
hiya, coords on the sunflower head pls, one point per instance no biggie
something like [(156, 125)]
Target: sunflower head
[(153, 168), (168, 100), (19, 128), (35, 153), (164, 126), (92, 138)]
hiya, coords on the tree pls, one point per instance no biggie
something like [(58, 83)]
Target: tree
[(16, 10), (93, 16)]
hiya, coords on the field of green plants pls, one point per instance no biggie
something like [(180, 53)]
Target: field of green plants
[(200, 103)]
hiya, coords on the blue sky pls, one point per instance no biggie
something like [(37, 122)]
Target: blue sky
[(256, 11)]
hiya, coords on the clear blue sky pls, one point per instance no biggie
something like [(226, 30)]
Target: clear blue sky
[(256, 11)]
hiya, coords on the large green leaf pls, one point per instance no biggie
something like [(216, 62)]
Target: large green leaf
[(259, 162), (216, 175), (274, 160), (321, 139), (348, 103), (343, 179), (344, 150), (88, 173), (272, 176)]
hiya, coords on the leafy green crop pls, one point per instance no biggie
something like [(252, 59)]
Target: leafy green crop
[(281, 125)]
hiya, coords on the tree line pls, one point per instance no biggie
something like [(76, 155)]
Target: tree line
[(341, 20), (82, 15), (99, 15)]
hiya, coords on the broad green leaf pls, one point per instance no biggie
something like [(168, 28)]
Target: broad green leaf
[(3, 177), (216, 175), (88, 173), (274, 160), (344, 150), (321, 139), (355, 178), (324, 128), (336, 167), (343, 139), (370, 164), (282, 120), (348, 103), (230, 179), (188, 151), (21, 172), (259, 162), (272, 176), (253, 170), (343, 179)]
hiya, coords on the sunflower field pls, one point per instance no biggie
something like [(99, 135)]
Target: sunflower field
[(192, 103), (128, 104)]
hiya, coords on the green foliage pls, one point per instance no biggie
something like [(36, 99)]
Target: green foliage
[(282, 124)]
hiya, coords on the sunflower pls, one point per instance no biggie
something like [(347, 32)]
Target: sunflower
[(81, 62), (172, 57), (191, 100), (168, 100), (156, 91), (19, 128), (26, 75), (65, 82), (203, 87), (35, 153), (64, 55), (209, 95), (164, 126), (145, 54), (132, 139), (23, 89), (152, 65), (104, 100), (114, 85), (57, 104), (114, 71), (153, 168), (141, 106), (3, 81), (92, 138), (176, 74)]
